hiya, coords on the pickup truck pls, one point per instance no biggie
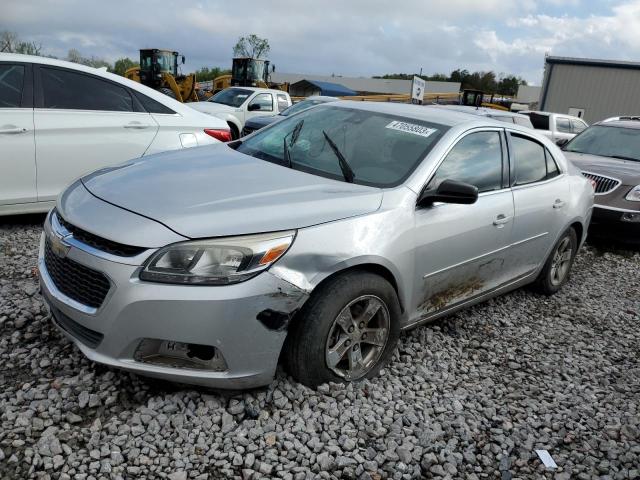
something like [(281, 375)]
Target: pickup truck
[(556, 126), (236, 105)]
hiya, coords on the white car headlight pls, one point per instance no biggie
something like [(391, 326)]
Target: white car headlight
[(634, 194), (218, 261)]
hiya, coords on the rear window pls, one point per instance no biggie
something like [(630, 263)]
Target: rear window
[(11, 81), (382, 150), (539, 121), (151, 105), (69, 90)]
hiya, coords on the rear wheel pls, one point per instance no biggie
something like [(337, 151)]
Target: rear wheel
[(347, 330), (555, 272), (168, 92), (235, 134)]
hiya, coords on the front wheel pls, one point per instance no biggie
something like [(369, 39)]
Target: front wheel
[(555, 272), (347, 330)]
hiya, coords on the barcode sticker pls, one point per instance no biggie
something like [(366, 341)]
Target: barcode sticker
[(411, 128)]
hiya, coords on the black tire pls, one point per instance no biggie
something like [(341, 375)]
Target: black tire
[(168, 92), (547, 282), (235, 134), (309, 336)]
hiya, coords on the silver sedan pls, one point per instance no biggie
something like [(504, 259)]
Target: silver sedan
[(315, 240)]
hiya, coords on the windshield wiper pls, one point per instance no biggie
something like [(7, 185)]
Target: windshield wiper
[(295, 133), (347, 171)]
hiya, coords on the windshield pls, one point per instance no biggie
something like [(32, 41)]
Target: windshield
[(303, 105), (607, 141), (234, 97), (382, 150)]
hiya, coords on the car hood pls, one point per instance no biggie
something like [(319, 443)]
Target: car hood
[(215, 191), (212, 108), (627, 171)]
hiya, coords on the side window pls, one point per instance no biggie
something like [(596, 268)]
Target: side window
[(282, 102), (529, 160), (77, 91), (476, 159), (552, 166), (563, 125), (578, 126), (262, 102), (11, 81), (150, 105)]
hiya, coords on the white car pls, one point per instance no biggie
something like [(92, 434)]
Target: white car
[(61, 120), (236, 105), (556, 126)]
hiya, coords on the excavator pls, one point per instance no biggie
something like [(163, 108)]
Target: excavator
[(248, 72), (159, 70)]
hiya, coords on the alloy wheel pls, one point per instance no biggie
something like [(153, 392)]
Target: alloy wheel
[(358, 337), (561, 261)]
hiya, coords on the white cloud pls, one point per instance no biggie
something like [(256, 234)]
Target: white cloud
[(359, 37)]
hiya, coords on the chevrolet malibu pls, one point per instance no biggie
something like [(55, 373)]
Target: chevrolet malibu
[(315, 240)]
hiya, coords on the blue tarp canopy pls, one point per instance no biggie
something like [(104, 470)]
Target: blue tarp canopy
[(326, 88)]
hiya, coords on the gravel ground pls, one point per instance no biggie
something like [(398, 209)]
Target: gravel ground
[(469, 397)]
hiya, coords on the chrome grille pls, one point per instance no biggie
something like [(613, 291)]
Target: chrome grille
[(76, 281), (99, 243), (603, 184)]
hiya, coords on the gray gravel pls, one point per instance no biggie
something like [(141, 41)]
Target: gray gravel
[(469, 397)]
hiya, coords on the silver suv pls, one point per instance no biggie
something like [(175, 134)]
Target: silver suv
[(316, 240)]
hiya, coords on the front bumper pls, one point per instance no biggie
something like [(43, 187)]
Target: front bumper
[(615, 223), (245, 322)]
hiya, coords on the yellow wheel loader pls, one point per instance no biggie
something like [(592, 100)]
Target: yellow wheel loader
[(159, 70), (248, 72)]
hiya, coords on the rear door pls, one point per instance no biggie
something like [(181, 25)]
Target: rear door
[(462, 250), (84, 122), (17, 146), (540, 195)]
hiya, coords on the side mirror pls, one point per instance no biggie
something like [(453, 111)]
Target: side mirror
[(449, 191), (183, 59), (561, 142), (253, 107)]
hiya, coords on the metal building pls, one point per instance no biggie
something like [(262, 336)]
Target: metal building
[(590, 89)]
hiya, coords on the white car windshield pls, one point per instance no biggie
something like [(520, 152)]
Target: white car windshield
[(359, 146), (233, 97)]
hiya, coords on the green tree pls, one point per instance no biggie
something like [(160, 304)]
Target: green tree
[(123, 64), (10, 43), (251, 46), (209, 73), (76, 57)]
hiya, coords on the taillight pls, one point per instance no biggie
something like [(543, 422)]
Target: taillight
[(219, 134)]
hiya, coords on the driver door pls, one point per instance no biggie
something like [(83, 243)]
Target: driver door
[(461, 250), (259, 106)]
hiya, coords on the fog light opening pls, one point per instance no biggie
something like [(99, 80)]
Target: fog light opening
[(631, 217), (172, 354)]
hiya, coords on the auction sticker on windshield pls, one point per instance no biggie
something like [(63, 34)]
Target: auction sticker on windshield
[(411, 128)]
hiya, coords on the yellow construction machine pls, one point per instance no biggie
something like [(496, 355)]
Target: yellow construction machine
[(248, 72), (159, 70)]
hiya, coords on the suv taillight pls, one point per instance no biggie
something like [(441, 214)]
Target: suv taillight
[(219, 134)]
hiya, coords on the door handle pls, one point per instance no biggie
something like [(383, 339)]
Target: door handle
[(12, 131), (558, 203), (501, 220), (136, 125)]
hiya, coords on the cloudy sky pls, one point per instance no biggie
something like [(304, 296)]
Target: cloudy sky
[(342, 37)]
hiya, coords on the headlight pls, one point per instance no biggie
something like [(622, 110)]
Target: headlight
[(634, 194), (219, 261)]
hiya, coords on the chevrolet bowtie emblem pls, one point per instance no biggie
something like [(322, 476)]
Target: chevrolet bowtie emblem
[(59, 247)]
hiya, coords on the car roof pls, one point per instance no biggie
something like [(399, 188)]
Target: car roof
[(494, 112), (100, 72), (634, 124), (259, 89), (429, 113), (322, 98)]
